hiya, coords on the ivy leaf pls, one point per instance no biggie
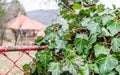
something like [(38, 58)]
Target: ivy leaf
[(39, 38), (68, 66), (48, 30), (81, 45), (78, 61), (67, 36), (93, 8), (82, 36), (64, 11), (62, 22), (84, 70), (84, 12), (60, 33), (107, 64), (72, 65), (60, 44), (101, 7), (113, 72), (52, 44), (69, 52), (51, 36), (118, 69), (85, 21), (44, 57), (105, 32), (93, 38), (26, 67), (106, 19), (95, 68), (39, 67), (55, 68), (115, 43), (76, 6), (92, 26), (113, 27), (33, 69), (99, 49)]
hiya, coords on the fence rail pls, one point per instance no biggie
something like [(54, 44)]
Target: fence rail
[(24, 49)]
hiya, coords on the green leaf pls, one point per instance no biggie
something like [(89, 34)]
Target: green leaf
[(72, 65), (113, 27), (64, 11), (93, 38), (39, 38), (85, 21), (84, 12), (55, 68), (60, 44), (106, 19), (115, 43), (44, 57), (78, 61), (93, 8), (118, 69), (69, 52), (39, 68), (107, 64), (26, 67), (82, 36), (105, 32), (52, 44), (99, 49), (65, 26), (95, 68), (76, 6), (81, 45), (113, 72), (97, 19), (92, 26), (33, 69), (84, 70), (48, 30), (51, 36), (101, 7), (67, 36), (68, 66)]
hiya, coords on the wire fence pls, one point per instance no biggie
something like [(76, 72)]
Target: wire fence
[(14, 63)]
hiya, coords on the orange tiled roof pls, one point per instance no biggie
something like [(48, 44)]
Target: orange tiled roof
[(24, 23)]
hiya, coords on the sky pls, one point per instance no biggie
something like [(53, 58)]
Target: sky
[(39, 4), (30, 5), (109, 3)]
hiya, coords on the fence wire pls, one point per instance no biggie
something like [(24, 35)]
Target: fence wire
[(10, 61)]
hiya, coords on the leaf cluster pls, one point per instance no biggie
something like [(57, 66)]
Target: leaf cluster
[(89, 44)]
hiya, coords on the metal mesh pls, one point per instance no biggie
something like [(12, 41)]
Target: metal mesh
[(13, 58)]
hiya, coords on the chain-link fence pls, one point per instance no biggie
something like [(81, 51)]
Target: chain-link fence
[(13, 58)]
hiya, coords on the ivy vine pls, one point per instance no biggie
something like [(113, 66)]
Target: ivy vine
[(88, 44)]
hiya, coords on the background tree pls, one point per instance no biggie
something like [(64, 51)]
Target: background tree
[(2, 21), (9, 11), (15, 9)]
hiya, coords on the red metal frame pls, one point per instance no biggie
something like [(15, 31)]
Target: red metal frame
[(20, 48)]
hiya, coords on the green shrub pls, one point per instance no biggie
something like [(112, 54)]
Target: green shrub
[(89, 44)]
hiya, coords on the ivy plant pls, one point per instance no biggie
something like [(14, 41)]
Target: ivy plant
[(88, 44)]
